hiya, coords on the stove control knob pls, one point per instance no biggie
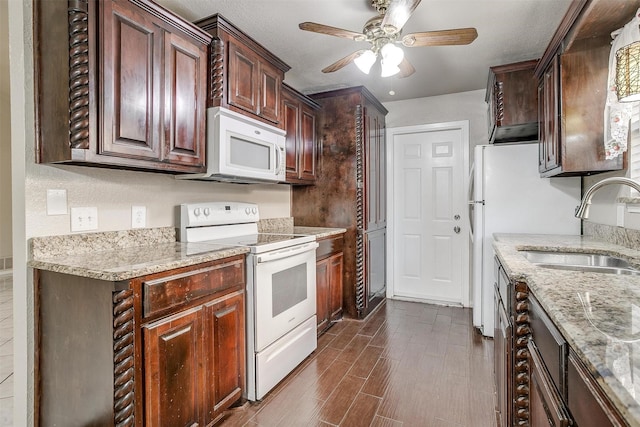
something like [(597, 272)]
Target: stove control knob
[(254, 210), (247, 211), (196, 212), (207, 211)]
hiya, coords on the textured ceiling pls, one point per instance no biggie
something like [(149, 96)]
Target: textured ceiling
[(508, 31)]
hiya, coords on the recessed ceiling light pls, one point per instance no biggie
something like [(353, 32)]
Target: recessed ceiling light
[(392, 92)]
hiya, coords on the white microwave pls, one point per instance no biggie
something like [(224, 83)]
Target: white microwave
[(242, 149)]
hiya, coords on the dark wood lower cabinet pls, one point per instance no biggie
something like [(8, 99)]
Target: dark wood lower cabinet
[(167, 349), (587, 403), (173, 379), (224, 353), (502, 362), (546, 407), (329, 270)]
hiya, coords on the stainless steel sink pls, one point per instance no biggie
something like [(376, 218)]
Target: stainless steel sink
[(580, 262)]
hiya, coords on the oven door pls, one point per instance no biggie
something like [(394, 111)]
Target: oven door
[(285, 291)]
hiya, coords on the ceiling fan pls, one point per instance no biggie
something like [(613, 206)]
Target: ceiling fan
[(384, 33)]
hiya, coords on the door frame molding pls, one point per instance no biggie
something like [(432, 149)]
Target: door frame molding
[(463, 126)]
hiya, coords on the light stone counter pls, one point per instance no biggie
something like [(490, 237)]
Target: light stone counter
[(121, 255), (605, 332), (319, 232)]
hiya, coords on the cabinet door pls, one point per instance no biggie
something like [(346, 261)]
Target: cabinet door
[(375, 260), (546, 407), (243, 76), (131, 62), (322, 294), (173, 370), (270, 84), (381, 217), (502, 361), (185, 92), (587, 402), (307, 144), (290, 116), (550, 117), (224, 353), (375, 169), (335, 286)]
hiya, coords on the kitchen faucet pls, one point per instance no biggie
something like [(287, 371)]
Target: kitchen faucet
[(582, 211)]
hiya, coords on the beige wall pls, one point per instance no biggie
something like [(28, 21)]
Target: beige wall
[(5, 136), (445, 108)]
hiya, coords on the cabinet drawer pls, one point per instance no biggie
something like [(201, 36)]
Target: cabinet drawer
[(328, 246), (550, 343), (160, 293)]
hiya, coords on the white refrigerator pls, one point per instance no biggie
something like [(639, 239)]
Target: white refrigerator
[(508, 196)]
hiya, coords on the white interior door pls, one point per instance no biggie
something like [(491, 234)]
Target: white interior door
[(430, 237)]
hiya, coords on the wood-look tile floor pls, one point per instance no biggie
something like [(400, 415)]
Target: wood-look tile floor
[(408, 364)]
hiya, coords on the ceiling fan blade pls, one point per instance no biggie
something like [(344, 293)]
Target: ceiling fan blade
[(406, 69), (340, 63), (456, 36), (331, 31), (397, 14)]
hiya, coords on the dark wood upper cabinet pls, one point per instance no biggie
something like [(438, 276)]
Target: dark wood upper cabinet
[(131, 92), (572, 81), (244, 76), (512, 99), (299, 119)]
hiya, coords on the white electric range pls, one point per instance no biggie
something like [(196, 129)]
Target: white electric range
[(281, 287)]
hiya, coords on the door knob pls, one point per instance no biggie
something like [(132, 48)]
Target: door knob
[(456, 229), (456, 217)]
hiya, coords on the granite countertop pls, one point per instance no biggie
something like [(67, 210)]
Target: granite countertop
[(319, 232), (597, 313), (122, 255)]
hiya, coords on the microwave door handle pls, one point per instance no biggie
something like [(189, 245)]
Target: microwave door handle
[(279, 160), (288, 252)]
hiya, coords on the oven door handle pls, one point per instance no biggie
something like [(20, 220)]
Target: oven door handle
[(288, 252)]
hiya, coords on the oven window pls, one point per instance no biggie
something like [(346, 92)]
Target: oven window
[(249, 154), (289, 288)]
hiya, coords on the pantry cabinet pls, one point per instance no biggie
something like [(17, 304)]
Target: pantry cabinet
[(163, 349), (572, 82), (131, 94), (299, 118), (349, 191), (512, 100), (329, 269), (243, 75)]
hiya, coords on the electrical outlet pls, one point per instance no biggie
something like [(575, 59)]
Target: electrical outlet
[(138, 216), (84, 219)]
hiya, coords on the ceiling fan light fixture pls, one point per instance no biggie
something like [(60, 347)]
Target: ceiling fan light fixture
[(365, 61), (392, 54), (388, 68)]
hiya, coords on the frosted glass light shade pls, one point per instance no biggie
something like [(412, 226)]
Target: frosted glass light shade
[(388, 68), (365, 61), (392, 54), (628, 73)]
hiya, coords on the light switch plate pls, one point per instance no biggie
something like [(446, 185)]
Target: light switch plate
[(57, 202), (138, 216), (84, 219)]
